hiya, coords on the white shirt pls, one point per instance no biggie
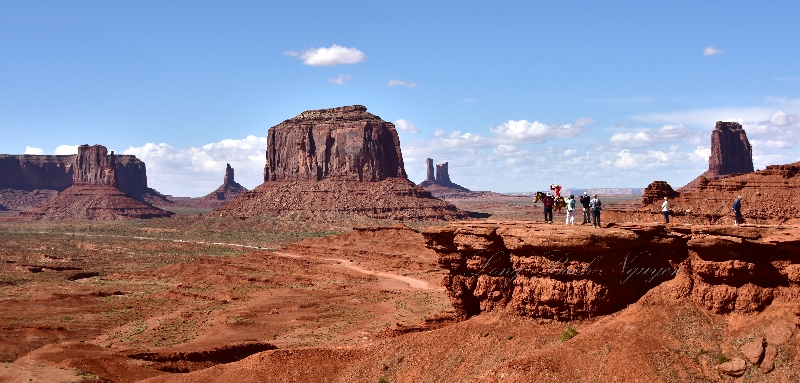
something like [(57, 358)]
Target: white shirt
[(665, 206)]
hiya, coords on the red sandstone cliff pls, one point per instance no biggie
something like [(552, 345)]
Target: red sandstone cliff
[(550, 272)]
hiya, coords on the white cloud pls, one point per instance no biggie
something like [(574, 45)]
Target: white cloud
[(711, 51), (33, 150), (335, 55), (406, 127), (401, 83), (197, 171), (66, 149), (438, 132), (584, 121), (291, 53), (665, 134), (532, 132), (570, 153), (341, 79), (703, 152)]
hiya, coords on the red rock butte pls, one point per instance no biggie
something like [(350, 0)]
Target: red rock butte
[(731, 153), (94, 194), (343, 161)]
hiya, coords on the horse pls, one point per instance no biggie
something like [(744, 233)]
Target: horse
[(559, 202)]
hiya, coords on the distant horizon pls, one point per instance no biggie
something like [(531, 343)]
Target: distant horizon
[(588, 93)]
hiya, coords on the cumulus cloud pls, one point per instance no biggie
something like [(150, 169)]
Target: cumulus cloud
[(665, 134), (335, 55), (196, 171), (438, 133), (341, 79), (711, 51), (66, 149), (393, 83), (532, 132), (406, 127), (33, 150)]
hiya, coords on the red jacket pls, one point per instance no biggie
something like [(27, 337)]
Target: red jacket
[(548, 201)]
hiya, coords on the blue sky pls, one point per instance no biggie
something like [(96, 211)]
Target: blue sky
[(515, 95)]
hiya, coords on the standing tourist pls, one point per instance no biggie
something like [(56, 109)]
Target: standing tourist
[(596, 206), (548, 202), (665, 209), (737, 209), (570, 210), (585, 202)]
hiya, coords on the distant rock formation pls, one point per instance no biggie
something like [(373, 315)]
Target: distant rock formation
[(441, 186), (25, 173), (344, 143), (94, 194), (731, 153), (339, 161), (656, 191), (227, 192)]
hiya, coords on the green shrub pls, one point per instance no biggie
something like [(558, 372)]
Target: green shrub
[(722, 358), (568, 334)]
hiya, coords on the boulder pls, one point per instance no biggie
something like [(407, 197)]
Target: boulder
[(768, 364), (753, 350), (733, 367)]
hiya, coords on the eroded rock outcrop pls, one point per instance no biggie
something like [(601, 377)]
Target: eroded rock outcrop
[(337, 162), (542, 271), (94, 194), (656, 191)]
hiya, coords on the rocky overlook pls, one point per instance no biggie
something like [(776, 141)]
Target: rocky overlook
[(540, 271)]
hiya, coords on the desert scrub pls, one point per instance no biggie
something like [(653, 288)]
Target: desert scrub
[(721, 358), (568, 334)]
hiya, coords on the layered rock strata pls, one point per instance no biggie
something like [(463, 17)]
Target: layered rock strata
[(337, 162), (549, 272), (94, 194)]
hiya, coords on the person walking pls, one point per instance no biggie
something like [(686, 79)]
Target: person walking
[(665, 209), (570, 210), (595, 205), (548, 202), (737, 209), (586, 211)]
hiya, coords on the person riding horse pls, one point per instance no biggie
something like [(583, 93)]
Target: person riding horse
[(559, 203)]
